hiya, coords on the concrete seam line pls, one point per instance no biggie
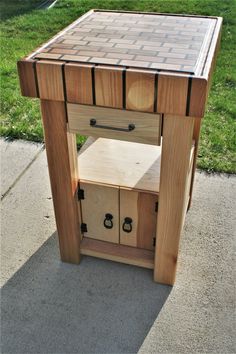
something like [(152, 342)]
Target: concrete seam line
[(22, 173)]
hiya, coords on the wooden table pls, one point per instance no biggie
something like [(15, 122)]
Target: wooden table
[(138, 82)]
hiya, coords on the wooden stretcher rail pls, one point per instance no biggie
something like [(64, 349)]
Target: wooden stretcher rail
[(119, 253)]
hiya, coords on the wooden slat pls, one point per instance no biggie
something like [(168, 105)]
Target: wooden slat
[(198, 97), (175, 159), (131, 165), (100, 200), (27, 78), (172, 94), (78, 78), (109, 87), (140, 90), (196, 137), (147, 220), (62, 170), (117, 253), (50, 81), (140, 207), (147, 126)]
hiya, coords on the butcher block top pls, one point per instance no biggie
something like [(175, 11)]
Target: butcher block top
[(177, 52)]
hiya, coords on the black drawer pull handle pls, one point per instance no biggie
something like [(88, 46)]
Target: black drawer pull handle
[(93, 123), (108, 223), (127, 225)]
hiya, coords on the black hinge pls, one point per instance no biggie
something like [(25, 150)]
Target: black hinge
[(83, 227), (80, 194), (154, 241), (156, 207)]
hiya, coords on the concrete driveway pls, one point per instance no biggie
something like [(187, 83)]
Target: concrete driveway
[(106, 307)]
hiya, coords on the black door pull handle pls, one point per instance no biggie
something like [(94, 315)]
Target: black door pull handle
[(127, 225), (93, 123), (108, 223)]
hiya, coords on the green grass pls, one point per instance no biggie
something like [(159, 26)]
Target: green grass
[(20, 34)]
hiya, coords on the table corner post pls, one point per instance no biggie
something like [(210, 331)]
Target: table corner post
[(62, 164), (175, 162)]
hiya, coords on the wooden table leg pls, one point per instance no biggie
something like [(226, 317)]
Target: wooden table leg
[(62, 165), (176, 148), (196, 136)]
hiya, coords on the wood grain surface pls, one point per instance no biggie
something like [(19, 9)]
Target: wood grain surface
[(50, 81), (62, 162), (175, 162), (27, 78), (147, 126), (120, 163), (117, 253), (100, 200), (140, 90), (78, 81), (140, 207), (109, 87), (172, 94)]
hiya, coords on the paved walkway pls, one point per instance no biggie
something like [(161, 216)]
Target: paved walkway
[(106, 307)]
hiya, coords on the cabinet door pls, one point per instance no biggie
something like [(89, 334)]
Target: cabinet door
[(138, 219), (100, 212)]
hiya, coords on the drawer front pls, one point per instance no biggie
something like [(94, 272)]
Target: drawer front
[(114, 124), (138, 219)]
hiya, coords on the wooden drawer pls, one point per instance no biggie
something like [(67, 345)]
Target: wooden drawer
[(114, 123)]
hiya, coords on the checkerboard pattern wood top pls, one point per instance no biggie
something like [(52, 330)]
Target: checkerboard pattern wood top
[(143, 62), (153, 41)]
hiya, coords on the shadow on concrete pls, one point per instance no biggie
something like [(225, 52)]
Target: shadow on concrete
[(97, 307)]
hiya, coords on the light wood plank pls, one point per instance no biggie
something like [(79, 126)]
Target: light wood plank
[(140, 90), (78, 78), (176, 152), (109, 86), (140, 207), (100, 200), (117, 253), (198, 97), (62, 162), (196, 137), (147, 126), (147, 220), (172, 94), (121, 163), (27, 78), (50, 80)]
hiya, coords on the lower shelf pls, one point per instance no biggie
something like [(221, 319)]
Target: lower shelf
[(119, 253)]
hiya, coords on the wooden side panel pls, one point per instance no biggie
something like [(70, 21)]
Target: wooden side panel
[(147, 126), (78, 79), (198, 97), (100, 200), (140, 207), (61, 156), (50, 81), (140, 90), (109, 87), (176, 151), (172, 94), (27, 78), (117, 253)]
